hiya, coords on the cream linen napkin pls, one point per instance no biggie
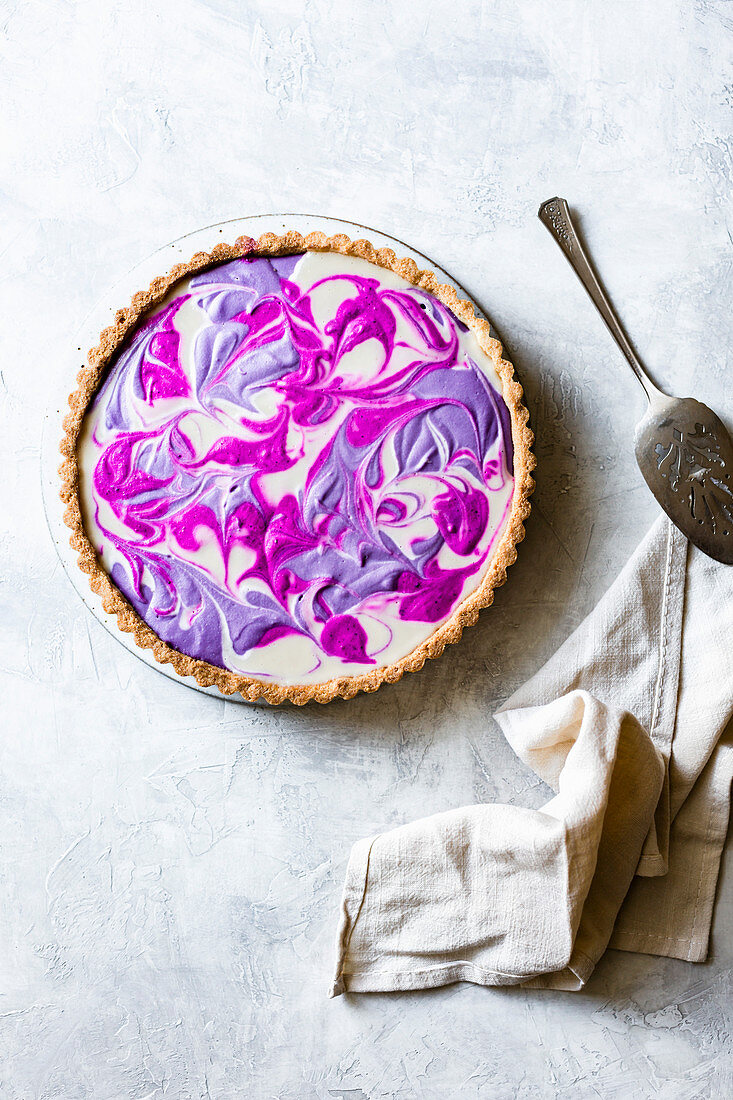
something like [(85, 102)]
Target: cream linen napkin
[(627, 724)]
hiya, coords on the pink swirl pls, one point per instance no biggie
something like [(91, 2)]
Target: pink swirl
[(265, 470)]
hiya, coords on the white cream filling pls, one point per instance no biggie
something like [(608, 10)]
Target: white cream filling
[(295, 658)]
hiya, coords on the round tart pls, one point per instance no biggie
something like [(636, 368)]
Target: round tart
[(296, 467)]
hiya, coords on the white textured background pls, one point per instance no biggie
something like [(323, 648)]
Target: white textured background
[(171, 865)]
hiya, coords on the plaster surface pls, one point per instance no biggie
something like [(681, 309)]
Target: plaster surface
[(171, 864)]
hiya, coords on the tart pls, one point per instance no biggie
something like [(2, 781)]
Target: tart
[(296, 467)]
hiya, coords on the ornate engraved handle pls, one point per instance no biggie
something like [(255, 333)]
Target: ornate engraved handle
[(555, 216)]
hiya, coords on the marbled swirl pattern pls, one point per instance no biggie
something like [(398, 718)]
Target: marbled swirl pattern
[(297, 468)]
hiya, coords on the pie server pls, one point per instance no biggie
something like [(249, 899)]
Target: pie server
[(683, 449)]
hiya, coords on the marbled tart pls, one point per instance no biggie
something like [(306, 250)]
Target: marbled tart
[(295, 468)]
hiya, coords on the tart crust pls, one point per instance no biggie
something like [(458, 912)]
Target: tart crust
[(249, 687)]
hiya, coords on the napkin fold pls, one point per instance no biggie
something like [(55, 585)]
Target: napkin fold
[(630, 725)]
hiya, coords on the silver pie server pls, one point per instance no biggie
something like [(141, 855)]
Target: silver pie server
[(684, 451)]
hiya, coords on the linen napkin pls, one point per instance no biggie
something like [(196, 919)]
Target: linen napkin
[(628, 723)]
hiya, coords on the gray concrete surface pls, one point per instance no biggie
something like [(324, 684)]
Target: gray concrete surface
[(170, 864)]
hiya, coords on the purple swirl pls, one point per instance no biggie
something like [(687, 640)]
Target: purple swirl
[(259, 469)]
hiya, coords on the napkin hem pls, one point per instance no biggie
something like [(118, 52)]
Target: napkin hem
[(690, 949), (355, 889), (429, 977)]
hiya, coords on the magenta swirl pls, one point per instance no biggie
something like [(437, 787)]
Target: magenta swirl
[(297, 468)]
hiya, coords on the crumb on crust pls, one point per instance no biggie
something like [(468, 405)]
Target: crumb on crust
[(249, 687)]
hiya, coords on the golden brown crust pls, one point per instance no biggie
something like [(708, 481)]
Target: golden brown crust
[(247, 686)]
